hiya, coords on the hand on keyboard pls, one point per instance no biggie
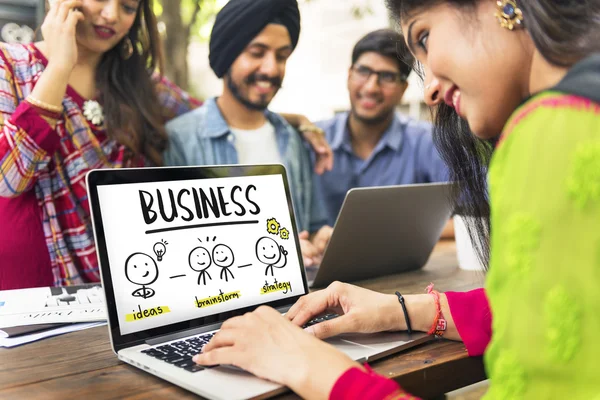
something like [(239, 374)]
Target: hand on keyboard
[(180, 353)]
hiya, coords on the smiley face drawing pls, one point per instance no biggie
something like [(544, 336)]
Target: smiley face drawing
[(141, 269), (271, 254), (199, 260), (223, 257)]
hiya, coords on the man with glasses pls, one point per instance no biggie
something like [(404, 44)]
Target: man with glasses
[(373, 144)]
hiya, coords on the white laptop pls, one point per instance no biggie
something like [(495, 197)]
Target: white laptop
[(183, 249)]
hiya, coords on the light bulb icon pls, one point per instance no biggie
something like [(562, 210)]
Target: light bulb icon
[(160, 248)]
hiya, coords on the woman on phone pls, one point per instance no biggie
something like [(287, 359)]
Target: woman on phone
[(86, 97), (524, 77)]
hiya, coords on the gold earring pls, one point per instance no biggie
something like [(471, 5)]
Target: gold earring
[(126, 48), (509, 14)]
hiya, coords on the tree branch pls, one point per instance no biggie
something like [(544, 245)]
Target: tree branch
[(197, 8)]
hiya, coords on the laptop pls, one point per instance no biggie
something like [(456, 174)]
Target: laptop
[(384, 230), (181, 250)]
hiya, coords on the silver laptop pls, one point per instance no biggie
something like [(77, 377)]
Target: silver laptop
[(384, 230), (183, 249)]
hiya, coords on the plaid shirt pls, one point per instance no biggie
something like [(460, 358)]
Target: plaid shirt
[(52, 158)]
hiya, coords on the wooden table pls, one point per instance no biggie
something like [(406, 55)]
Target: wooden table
[(82, 365)]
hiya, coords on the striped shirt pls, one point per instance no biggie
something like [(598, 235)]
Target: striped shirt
[(44, 161)]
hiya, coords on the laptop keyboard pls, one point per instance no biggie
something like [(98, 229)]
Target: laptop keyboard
[(320, 319), (180, 353)]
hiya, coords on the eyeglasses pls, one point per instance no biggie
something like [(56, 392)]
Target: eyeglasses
[(361, 74)]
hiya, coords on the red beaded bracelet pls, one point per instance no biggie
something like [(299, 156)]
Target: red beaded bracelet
[(439, 325)]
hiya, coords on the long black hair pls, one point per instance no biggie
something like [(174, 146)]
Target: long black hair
[(564, 32), (126, 87)]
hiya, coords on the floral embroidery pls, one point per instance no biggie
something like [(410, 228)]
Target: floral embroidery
[(508, 377), (583, 183), (562, 314), (597, 269), (522, 239)]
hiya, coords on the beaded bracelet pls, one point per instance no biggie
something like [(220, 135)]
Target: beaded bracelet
[(439, 325)]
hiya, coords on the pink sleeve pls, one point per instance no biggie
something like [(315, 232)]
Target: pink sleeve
[(358, 384), (473, 319)]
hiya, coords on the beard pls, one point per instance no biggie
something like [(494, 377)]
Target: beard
[(376, 119), (236, 90)]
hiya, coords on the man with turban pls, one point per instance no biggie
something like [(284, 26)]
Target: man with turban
[(250, 44)]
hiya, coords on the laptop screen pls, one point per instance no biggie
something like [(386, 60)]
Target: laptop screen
[(180, 250)]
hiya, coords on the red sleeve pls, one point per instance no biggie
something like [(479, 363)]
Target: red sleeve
[(173, 100), (473, 319), (358, 384), (31, 120)]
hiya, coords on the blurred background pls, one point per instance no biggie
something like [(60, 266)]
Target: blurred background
[(315, 82)]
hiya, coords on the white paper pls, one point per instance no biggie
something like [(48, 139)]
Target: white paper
[(52, 305), (24, 339)]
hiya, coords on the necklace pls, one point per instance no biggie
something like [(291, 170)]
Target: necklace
[(93, 112)]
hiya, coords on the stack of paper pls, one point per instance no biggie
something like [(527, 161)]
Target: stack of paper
[(28, 315)]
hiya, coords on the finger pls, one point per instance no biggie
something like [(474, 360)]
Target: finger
[(223, 355), (65, 7), (309, 249), (320, 244), (72, 20), (303, 235), (268, 315), (333, 327), (223, 338), (54, 4), (324, 163), (317, 140), (233, 323), (308, 307), (330, 157)]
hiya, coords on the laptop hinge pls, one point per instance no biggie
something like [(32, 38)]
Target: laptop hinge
[(195, 331)]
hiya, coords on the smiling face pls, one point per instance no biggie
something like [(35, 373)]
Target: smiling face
[(267, 251), (373, 99), (484, 74), (106, 23), (199, 259), (141, 269), (256, 75), (222, 256)]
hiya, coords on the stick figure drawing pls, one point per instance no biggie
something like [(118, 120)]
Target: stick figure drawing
[(271, 254), (223, 257), (141, 269), (199, 260)]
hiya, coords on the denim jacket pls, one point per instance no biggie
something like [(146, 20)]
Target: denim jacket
[(202, 137)]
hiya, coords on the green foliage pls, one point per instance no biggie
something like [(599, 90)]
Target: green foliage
[(202, 26), (204, 20)]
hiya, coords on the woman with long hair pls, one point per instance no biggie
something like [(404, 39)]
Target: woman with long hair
[(88, 96), (517, 83)]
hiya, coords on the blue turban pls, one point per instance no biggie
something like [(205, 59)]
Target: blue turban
[(238, 23)]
